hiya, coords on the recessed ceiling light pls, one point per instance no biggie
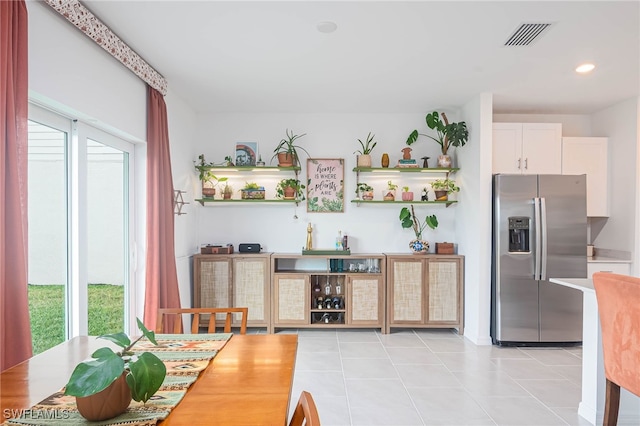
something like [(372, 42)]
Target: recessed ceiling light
[(327, 27), (585, 68)]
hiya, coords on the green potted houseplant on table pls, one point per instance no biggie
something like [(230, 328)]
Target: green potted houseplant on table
[(408, 219), (287, 150), (364, 159), (110, 374), (447, 135), (290, 189), (207, 178), (443, 187)]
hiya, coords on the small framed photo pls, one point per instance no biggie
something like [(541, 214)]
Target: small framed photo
[(246, 153)]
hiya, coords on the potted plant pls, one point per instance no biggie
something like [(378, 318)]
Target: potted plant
[(227, 191), (408, 219), (206, 176), (389, 194), (287, 150), (444, 187), (406, 194), (447, 135), (364, 159), (364, 191), (252, 191), (125, 374), (290, 189)]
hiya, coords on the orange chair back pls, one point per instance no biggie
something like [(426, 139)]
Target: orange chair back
[(306, 412)]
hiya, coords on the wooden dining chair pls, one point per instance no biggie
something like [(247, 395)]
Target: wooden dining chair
[(197, 319), (618, 299), (306, 412)]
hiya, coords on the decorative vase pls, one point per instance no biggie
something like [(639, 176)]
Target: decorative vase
[(385, 160), (285, 159), (364, 160), (444, 161), (407, 196), (107, 403), (441, 195), (419, 246)]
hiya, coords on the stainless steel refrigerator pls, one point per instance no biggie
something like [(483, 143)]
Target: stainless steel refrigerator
[(539, 232)]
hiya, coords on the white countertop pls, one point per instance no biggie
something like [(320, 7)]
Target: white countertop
[(606, 259), (582, 284)]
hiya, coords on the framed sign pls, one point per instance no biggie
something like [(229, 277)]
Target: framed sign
[(325, 185), (246, 153)]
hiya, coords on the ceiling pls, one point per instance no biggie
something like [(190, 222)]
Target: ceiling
[(384, 57)]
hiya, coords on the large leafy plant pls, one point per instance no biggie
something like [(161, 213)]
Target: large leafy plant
[(287, 145), (447, 134), (408, 219), (145, 372)]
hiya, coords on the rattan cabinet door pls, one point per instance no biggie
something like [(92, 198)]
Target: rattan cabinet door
[(212, 283), (365, 298), (251, 278), (406, 290), (444, 291), (291, 299)]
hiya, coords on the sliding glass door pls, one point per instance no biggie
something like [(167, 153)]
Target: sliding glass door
[(80, 230)]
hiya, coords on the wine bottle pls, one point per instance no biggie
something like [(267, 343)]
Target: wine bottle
[(327, 302), (337, 302)]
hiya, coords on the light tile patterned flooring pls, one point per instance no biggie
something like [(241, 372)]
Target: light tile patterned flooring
[(434, 377)]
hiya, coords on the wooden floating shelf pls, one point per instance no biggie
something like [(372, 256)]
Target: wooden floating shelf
[(406, 169), (446, 203), (204, 201)]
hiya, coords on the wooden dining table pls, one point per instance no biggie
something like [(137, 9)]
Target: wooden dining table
[(248, 382)]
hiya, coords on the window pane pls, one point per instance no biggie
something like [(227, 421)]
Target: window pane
[(107, 236), (47, 189)]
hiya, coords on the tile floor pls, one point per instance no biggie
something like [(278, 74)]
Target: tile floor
[(434, 377)]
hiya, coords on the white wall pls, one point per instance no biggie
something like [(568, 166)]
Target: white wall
[(619, 123), (473, 222), (371, 228)]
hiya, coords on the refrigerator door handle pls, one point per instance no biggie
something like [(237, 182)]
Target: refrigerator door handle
[(537, 253), (543, 222)]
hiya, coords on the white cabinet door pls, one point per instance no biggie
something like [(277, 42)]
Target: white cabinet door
[(589, 156), (613, 267), (542, 148), (527, 148), (507, 147)]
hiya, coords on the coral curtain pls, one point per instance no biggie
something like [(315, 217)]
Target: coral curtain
[(161, 287), (15, 328)]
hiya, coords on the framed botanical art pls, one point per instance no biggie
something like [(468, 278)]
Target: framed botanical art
[(246, 153), (325, 185)]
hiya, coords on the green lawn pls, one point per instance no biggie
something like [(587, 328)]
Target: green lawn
[(46, 307)]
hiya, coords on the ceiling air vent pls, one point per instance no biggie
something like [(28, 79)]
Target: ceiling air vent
[(526, 34)]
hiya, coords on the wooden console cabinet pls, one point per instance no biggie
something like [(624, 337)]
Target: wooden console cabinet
[(328, 291), (223, 280), (425, 291)]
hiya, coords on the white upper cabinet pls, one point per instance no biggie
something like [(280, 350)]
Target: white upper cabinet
[(589, 156), (527, 148)]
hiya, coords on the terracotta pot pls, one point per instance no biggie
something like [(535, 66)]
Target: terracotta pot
[(208, 192), (419, 246), (441, 195), (226, 195), (106, 404), (364, 160), (285, 159), (407, 196), (289, 193)]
